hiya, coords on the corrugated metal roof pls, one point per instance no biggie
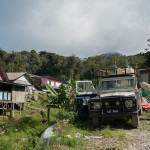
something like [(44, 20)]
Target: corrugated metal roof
[(12, 76), (15, 75), (48, 77)]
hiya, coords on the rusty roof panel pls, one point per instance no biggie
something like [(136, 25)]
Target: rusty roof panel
[(14, 76)]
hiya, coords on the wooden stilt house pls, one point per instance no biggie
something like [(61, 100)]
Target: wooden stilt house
[(10, 93), (14, 87)]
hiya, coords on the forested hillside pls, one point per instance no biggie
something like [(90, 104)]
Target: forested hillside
[(67, 67)]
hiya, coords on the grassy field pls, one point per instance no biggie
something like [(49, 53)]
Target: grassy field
[(23, 131)]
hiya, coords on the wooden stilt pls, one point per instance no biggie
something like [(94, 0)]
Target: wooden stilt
[(13, 110), (23, 106), (20, 107), (3, 111), (6, 109)]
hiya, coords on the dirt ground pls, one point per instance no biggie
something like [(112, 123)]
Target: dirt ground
[(135, 139), (139, 139)]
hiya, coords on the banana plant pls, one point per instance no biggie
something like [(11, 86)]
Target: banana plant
[(51, 90)]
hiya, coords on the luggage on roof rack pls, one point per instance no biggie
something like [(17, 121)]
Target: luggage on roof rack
[(116, 72)]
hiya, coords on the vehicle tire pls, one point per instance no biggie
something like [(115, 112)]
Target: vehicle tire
[(96, 121), (135, 121)]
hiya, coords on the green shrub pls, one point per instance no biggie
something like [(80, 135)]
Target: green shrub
[(63, 115)]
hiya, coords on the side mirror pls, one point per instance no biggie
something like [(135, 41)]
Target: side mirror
[(138, 85)]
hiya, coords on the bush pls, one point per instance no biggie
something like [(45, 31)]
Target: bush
[(63, 115)]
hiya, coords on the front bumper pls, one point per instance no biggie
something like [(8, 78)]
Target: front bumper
[(125, 114)]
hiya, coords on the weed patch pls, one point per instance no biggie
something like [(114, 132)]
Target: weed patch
[(108, 133), (146, 114), (21, 133)]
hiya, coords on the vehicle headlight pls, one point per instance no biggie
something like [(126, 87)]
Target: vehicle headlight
[(118, 103), (129, 103), (106, 103), (96, 105)]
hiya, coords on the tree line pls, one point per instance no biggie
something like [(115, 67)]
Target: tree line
[(67, 67)]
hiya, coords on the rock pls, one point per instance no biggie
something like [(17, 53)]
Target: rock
[(78, 135), (69, 136)]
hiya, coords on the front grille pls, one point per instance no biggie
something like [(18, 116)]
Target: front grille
[(109, 105), (112, 105), (112, 102)]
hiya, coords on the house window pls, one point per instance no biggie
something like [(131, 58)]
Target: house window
[(47, 82), (1, 95), (5, 96), (9, 97), (52, 83)]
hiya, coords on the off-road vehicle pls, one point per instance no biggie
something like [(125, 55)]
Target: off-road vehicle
[(119, 96), (84, 91)]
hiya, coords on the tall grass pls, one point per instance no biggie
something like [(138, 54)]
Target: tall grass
[(23, 132)]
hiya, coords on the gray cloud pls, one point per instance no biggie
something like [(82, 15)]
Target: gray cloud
[(84, 28)]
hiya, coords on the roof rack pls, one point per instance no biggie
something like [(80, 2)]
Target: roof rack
[(116, 72)]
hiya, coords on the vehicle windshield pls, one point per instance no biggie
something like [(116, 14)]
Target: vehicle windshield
[(117, 85), (84, 87)]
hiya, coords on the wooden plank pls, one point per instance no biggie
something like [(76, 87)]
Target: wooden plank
[(2, 108)]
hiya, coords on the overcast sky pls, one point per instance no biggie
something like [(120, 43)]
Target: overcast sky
[(81, 27)]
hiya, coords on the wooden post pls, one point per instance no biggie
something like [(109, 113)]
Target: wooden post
[(20, 107), (6, 109), (3, 111), (13, 110), (23, 107), (48, 113)]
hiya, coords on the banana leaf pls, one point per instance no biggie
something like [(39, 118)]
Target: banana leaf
[(51, 90)]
